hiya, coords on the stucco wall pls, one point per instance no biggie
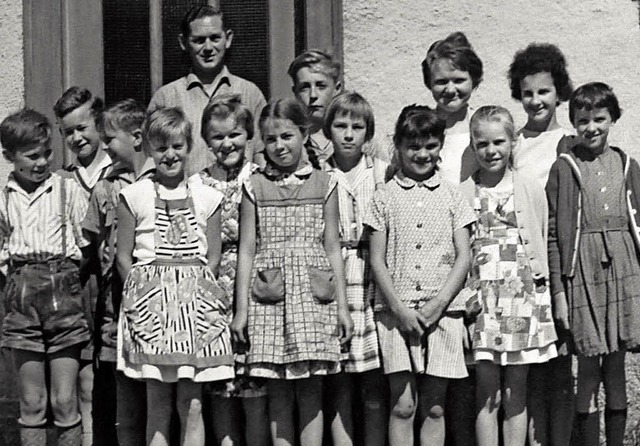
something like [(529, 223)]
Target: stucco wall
[(385, 42), (11, 65)]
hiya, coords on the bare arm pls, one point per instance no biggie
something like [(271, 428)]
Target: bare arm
[(125, 239), (434, 308), (214, 240), (246, 253), (332, 247), (411, 321)]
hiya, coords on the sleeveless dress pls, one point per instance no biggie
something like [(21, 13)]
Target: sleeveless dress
[(292, 315), (175, 317), (515, 325)]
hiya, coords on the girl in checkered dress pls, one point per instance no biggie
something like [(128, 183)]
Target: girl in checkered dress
[(349, 125), (291, 309)]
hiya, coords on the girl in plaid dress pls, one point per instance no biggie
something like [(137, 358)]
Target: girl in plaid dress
[(349, 125), (227, 127), (291, 308)]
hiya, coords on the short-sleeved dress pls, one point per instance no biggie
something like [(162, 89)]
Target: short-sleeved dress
[(355, 191), (419, 219), (174, 320), (604, 295), (292, 314), (515, 325)]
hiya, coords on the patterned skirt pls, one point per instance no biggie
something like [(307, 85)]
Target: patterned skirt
[(174, 324)]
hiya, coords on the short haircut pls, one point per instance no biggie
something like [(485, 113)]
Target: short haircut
[(74, 98), (540, 58), (353, 104), (594, 95), (418, 121), (493, 113), (24, 128), (225, 106), (126, 115), (198, 12), (164, 124), (319, 61), (457, 49)]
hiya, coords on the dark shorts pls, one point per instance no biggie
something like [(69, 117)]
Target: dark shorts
[(44, 309)]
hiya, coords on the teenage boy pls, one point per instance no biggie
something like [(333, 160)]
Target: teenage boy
[(120, 127), (76, 112), (41, 247), (206, 39)]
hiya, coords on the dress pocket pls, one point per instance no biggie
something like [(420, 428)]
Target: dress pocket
[(323, 286), (268, 286)]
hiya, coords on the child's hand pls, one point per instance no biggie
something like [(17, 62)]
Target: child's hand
[(238, 329), (346, 328), (561, 310), (432, 311), (411, 321)]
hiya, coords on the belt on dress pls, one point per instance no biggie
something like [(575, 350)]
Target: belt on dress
[(605, 225)]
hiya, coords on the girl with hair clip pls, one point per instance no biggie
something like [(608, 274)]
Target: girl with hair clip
[(291, 308), (174, 322), (509, 276), (593, 259), (538, 78)]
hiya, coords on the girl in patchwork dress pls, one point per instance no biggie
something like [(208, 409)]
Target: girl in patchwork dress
[(291, 309), (174, 317), (349, 125), (593, 194), (514, 327), (227, 127)]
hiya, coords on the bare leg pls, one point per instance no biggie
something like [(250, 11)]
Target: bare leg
[(281, 412), (374, 396), (403, 402), (189, 407), (32, 386), (85, 401), (309, 399), (160, 406), (339, 400), (432, 395), (488, 399), (514, 403)]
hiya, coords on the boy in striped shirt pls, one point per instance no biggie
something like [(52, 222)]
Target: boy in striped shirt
[(41, 247)]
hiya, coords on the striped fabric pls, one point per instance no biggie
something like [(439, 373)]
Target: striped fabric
[(31, 224)]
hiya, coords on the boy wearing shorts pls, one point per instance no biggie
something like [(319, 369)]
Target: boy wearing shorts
[(41, 247)]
